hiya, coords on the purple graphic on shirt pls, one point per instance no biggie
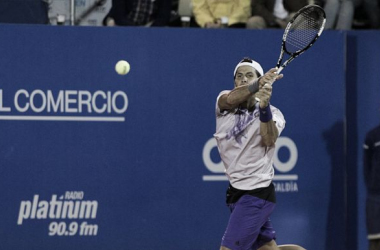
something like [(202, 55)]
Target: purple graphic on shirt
[(242, 119)]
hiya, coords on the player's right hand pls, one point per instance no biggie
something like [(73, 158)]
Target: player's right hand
[(270, 77), (264, 94)]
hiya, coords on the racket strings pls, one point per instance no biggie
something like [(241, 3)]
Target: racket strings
[(304, 30)]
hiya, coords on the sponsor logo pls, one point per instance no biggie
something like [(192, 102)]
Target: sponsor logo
[(283, 181), (64, 105), (70, 213)]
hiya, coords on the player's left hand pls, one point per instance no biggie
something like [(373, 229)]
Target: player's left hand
[(270, 77), (264, 94)]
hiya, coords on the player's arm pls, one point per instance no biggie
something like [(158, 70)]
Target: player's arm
[(241, 94), (237, 96), (268, 130), (269, 133)]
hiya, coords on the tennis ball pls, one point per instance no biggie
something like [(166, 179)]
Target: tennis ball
[(122, 67)]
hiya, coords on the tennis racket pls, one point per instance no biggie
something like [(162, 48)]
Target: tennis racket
[(301, 33)]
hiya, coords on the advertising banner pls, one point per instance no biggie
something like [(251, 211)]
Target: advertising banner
[(94, 160)]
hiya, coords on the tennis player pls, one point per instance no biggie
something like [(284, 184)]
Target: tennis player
[(246, 132)]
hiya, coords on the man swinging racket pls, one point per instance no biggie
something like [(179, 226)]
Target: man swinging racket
[(247, 127)]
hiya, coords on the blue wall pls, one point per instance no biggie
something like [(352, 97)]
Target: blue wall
[(363, 88), (136, 152)]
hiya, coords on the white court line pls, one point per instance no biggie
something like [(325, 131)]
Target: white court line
[(62, 118), (275, 178)]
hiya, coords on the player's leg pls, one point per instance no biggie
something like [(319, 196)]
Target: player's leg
[(246, 220), (271, 245), (266, 238)]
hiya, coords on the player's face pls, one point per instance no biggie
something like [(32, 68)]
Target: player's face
[(245, 75)]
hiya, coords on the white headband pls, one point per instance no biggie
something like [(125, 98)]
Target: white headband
[(253, 64)]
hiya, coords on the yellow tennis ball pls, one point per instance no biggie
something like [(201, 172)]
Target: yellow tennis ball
[(122, 67)]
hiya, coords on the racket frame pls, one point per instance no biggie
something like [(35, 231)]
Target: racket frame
[(298, 52)]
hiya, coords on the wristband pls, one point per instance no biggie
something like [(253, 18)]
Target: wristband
[(254, 87), (265, 114)]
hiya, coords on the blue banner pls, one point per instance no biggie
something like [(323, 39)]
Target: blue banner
[(365, 107), (94, 160)]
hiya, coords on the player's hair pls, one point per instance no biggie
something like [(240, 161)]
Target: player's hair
[(247, 59)]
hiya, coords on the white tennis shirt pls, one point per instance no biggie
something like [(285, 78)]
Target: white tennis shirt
[(248, 164)]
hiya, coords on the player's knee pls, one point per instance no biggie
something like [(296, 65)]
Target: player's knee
[(271, 245)]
